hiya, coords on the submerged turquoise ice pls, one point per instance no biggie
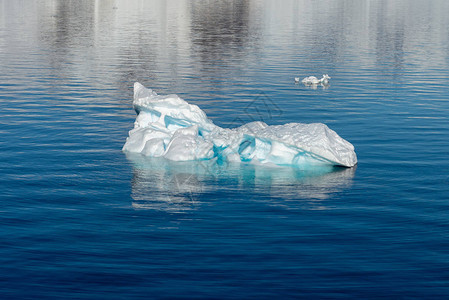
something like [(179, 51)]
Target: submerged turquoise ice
[(169, 127)]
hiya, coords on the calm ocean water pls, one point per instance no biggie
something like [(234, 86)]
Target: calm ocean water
[(81, 219)]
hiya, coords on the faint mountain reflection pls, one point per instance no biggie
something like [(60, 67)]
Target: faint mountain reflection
[(160, 184), (224, 34)]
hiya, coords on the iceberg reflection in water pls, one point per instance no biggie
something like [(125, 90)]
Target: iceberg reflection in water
[(171, 186)]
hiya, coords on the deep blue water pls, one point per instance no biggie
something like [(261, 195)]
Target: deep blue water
[(81, 219)]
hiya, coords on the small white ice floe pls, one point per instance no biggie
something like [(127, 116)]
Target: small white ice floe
[(311, 80)]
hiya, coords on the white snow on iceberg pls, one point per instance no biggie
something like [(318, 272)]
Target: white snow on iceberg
[(169, 127)]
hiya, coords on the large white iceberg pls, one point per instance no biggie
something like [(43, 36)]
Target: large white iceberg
[(169, 127)]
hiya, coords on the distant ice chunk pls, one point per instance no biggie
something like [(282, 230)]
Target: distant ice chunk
[(312, 80), (169, 127)]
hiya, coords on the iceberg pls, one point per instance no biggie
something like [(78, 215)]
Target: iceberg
[(169, 127), (311, 80)]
